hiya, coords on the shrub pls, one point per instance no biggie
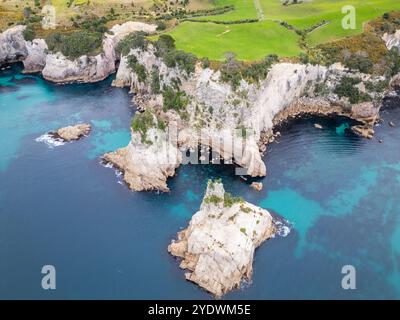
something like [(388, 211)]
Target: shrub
[(155, 80), (347, 88), (233, 71), (229, 200), (185, 61), (161, 26), (205, 63), (144, 121), (138, 68), (165, 48), (132, 41), (76, 44), (29, 33), (359, 62), (174, 100)]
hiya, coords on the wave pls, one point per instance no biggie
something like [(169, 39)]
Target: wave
[(118, 173), (283, 228), (50, 140)]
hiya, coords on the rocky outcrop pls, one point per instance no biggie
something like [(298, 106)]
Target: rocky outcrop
[(55, 66), (72, 133), (148, 164), (258, 186), (60, 69), (218, 246), (392, 40), (13, 45), (35, 59), (236, 124)]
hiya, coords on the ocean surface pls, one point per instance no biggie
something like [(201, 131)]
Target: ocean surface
[(60, 206)]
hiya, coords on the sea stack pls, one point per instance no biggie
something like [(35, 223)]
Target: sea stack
[(217, 247), (72, 133)]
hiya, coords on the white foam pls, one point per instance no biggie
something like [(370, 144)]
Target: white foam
[(117, 172), (50, 141), (283, 229)]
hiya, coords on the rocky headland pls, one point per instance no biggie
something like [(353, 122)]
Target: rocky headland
[(190, 104), (217, 248)]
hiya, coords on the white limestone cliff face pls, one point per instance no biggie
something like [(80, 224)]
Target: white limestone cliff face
[(12, 45), (217, 248), (35, 59), (147, 165), (216, 112), (58, 68), (392, 40)]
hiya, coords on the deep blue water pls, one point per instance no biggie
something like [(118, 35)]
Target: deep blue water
[(61, 207)]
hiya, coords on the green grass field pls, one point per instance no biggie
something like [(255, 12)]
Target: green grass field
[(253, 41)]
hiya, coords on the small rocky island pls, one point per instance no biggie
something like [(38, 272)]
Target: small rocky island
[(218, 246), (72, 133)]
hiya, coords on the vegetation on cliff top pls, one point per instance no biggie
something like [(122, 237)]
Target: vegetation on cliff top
[(142, 122)]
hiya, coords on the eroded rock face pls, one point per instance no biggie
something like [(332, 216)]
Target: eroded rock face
[(217, 114), (218, 246), (13, 45), (72, 133), (392, 40), (35, 60), (55, 66), (60, 69), (147, 165)]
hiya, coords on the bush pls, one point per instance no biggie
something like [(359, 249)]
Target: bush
[(233, 71), (165, 48), (205, 63), (347, 88), (144, 121), (76, 44), (161, 26), (359, 62), (164, 44), (135, 40), (174, 100), (29, 33), (155, 80), (138, 68), (185, 61)]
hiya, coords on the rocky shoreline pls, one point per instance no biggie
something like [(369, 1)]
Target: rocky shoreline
[(214, 111)]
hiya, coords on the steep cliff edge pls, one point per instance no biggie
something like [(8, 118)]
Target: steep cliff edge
[(218, 246), (55, 66), (58, 68), (147, 162), (12, 45), (236, 123)]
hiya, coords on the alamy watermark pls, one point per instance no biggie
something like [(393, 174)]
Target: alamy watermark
[(349, 280), (49, 279)]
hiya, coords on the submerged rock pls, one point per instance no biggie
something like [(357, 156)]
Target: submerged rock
[(257, 186), (218, 246), (72, 133)]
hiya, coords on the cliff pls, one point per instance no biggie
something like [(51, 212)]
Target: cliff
[(236, 123), (217, 247), (147, 163), (55, 66)]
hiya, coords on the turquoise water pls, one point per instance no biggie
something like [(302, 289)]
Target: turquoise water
[(60, 206)]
